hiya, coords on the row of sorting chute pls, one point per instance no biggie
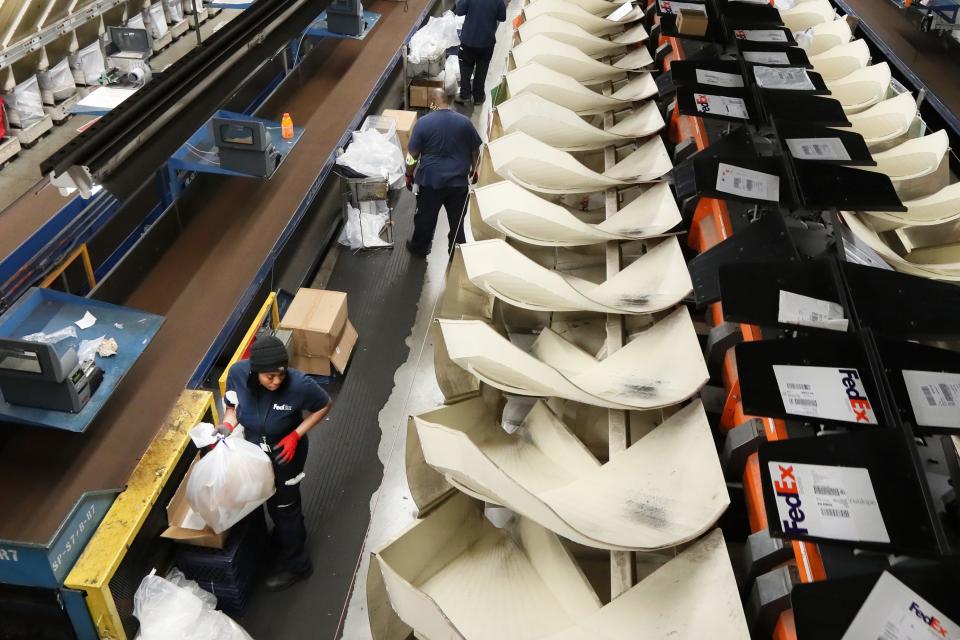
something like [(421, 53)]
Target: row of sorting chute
[(924, 240), (453, 574)]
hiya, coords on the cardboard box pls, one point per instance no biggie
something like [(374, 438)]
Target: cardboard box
[(692, 23), (181, 520), (424, 93), (405, 121), (321, 333)]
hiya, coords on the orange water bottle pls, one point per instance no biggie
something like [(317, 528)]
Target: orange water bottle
[(286, 127)]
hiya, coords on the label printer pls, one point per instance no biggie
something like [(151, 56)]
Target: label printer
[(33, 374), (128, 56), (245, 146)]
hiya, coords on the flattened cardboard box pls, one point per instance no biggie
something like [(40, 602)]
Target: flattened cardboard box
[(178, 515)]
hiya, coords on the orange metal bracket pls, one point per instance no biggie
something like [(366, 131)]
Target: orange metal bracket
[(80, 252)]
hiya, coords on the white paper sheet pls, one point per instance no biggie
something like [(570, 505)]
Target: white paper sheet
[(789, 78), (894, 611), (721, 105), (87, 321), (810, 312), (719, 79), (935, 397), (766, 57), (817, 149), (106, 98), (747, 183), (761, 35)]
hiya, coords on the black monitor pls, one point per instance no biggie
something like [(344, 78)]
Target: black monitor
[(242, 135)]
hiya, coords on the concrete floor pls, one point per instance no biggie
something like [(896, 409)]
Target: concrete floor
[(22, 173), (415, 387)]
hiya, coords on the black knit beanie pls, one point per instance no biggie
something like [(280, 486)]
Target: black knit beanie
[(267, 355)]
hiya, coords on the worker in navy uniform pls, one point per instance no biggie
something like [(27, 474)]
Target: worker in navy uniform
[(442, 156), (277, 406), (477, 40)]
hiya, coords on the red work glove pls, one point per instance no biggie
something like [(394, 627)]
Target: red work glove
[(409, 180), (286, 448), (225, 429)]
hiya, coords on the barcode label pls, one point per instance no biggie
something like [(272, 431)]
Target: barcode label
[(835, 513), (799, 385), (748, 183), (803, 402), (827, 491), (810, 312), (721, 106), (935, 397), (817, 149)]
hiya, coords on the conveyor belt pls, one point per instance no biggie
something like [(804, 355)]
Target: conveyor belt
[(27, 214), (918, 54), (197, 285)]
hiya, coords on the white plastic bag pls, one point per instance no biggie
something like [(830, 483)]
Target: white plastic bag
[(156, 20), (373, 154), (451, 75), (173, 9), (57, 83), (438, 35), (362, 228), (89, 62), (804, 38), (24, 104), (230, 481), (178, 608), (136, 22)]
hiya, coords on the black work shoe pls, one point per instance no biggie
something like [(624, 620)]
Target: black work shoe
[(413, 249), (283, 580), (479, 99), (461, 99)]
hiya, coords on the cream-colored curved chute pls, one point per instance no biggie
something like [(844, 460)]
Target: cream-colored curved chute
[(862, 88), (946, 268), (567, 92), (841, 61), (661, 365), (539, 167), (808, 14), (571, 34), (454, 576), (827, 35), (666, 489), (936, 209), (596, 7), (569, 60), (912, 160), (527, 217), (572, 13), (633, 35), (563, 129), (655, 281), (885, 123)]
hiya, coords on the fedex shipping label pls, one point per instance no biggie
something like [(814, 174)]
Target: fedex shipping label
[(824, 392), (827, 502), (894, 611)]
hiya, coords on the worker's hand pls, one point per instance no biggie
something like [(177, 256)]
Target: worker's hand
[(286, 448), (409, 180), (224, 429)]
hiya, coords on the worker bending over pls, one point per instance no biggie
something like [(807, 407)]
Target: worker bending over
[(277, 406), (442, 156), (477, 40)]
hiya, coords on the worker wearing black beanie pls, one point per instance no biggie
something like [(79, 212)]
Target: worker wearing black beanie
[(277, 406)]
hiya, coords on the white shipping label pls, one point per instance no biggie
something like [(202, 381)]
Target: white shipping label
[(621, 12), (935, 398), (761, 35), (824, 392), (810, 312), (669, 6), (753, 1), (766, 57), (719, 79), (747, 183), (894, 611), (817, 149), (721, 106), (828, 502), (791, 78)]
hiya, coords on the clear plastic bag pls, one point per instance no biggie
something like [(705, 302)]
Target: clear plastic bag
[(89, 62), (24, 104), (363, 226), (173, 10), (178, 608), (451, 75), (52, 338), (57, 83), (430, 42), (156, 20), (230, 481), (373, 154)]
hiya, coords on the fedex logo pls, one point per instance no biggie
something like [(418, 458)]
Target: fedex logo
[(862, 409), (786, 489), (931, 621)]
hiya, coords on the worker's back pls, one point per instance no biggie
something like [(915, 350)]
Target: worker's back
[(446, 141), (480, 25)]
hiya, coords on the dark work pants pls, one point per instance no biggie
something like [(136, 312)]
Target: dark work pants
[(474, 62), (286, 511), (429, 202)]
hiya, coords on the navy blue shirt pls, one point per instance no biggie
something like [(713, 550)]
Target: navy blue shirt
[(273, 414), (446, 142), (480, 25)]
